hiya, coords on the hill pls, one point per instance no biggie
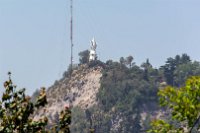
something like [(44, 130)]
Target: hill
[(115, 97)]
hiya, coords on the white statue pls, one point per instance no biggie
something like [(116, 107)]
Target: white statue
[(93, 55)]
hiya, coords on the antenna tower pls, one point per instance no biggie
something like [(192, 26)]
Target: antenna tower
[(71, 34)]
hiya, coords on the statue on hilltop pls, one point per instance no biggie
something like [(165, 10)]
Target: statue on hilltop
[(93, 55)]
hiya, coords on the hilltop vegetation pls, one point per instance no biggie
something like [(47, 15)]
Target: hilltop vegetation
[(126, 100), (127, 91)]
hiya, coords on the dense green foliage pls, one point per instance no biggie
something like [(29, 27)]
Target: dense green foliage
[(84, 56), (176, 70), (184, 105), (16, 113), (126, 91)]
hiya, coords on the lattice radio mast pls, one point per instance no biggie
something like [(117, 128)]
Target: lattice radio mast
[(71, 34)]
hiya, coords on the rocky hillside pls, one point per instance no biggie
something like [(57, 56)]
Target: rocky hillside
[(78, 90), (123, 98), (115, 97)]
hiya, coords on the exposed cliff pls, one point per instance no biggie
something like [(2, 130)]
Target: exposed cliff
[(109, 98), (78, 90)]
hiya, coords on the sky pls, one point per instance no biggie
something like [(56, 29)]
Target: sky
[(35, 34)]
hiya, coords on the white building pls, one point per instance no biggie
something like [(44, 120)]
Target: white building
[(93, 55)]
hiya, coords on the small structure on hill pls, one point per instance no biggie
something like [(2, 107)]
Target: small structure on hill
[(93, 55)]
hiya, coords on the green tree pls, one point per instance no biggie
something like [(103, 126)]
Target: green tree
[(169, 69), (122, 60), (147, 69), (16, 112), (185, 70), (185, 59), (184, 104), (171, 65), (84, 56), (129, 60)]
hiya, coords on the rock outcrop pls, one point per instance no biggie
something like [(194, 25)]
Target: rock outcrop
[(78, 90)]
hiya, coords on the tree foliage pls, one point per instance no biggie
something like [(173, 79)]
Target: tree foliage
[(124, 91), (16, 112), (129, 60), (171, 66), (128, 90), (184, 104), (84, 56)]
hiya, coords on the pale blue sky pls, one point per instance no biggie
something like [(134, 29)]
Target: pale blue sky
[(34, 34)]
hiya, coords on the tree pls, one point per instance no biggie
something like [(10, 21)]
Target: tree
[(147, 67), (183, 71), (129, 60), (184, 105), (185, 59), (169, 69), (122, 60), (146, 64), (84, 56), (16, 112), (171, 65)]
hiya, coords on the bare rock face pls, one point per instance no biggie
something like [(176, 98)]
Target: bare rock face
[(78, 90)]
